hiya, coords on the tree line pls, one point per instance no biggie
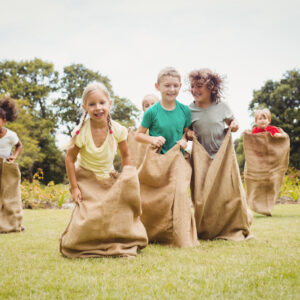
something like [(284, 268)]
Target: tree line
[(49, 102)]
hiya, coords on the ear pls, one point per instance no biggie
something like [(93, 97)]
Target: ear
[(157, 86), (84, 107)]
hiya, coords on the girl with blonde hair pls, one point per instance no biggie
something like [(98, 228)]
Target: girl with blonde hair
[(106, 219)]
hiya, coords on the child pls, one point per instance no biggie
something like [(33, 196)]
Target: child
[(216, 184), (138, 150), (148, 101), (106, 220), (266, 161), (209, 115), (168, 119), (8, 138), (10, 194), (165, 176), (262, 120)]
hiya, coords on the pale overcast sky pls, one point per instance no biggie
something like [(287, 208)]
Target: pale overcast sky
[(130, 41)]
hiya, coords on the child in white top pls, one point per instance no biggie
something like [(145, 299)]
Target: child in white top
[(8, 138), (96, 139)]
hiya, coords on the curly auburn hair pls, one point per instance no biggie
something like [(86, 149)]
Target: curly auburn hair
[(213, 81), (8, 109)]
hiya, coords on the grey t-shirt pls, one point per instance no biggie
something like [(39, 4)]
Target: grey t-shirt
[(209, 125)]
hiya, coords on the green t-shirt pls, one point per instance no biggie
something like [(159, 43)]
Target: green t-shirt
[(167, 123)]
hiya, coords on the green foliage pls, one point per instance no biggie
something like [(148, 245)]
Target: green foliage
[(31, 80), (124, 111), (291, 184), (283, 100), (239, 150), (37, 195)]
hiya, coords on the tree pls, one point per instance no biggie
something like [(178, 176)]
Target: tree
[(282, 98), (31, 83), (31, 80), (124, 111)]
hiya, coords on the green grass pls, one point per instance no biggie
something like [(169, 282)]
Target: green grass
[(267, 267)]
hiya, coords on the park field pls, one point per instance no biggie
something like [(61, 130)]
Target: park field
[(267, 267)]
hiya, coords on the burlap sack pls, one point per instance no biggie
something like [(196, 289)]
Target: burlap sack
[(267, 159), (217, 193), (167, 214), (137, 150), (107, 221), (10, 197)]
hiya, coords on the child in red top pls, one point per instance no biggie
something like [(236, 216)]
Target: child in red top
[(262, 120)]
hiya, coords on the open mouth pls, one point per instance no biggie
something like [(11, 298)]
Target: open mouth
[(99, 114)]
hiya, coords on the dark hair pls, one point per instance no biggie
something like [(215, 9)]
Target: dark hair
[(8, 109), (213, 81)]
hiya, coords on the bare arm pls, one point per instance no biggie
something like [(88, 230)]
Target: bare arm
[(17, 152), (70, 167), (142, 137), (125, 154)]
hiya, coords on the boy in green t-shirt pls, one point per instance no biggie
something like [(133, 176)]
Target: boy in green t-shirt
[(168, 119)]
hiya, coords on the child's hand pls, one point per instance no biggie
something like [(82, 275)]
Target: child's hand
[(190, 134), (234, 126), (76, 195), (277, 134), (158, 141), (182, 143), (11, 159)]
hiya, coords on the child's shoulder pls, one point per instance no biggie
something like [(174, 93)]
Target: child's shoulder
[(120, 132), (117, 126), (185, 108), (10, 133)]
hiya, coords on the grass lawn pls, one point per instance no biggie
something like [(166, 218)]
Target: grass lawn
[(267, 267)]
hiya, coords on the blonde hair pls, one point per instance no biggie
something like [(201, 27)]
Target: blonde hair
[(90, 88), (151, 97), (213, 81), (265, 112), (168, 71)]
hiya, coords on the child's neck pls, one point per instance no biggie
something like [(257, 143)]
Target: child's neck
[(204, 104), (99, 124), (168, 105)]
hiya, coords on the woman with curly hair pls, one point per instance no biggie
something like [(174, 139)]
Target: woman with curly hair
[(10, 193), (8, 138), (209, 114)]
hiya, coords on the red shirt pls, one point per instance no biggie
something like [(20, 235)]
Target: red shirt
[(269, 128)]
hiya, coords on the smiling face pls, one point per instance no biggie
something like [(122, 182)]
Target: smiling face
[(97, 104), (200, 92), (262, 121), (169, 87)]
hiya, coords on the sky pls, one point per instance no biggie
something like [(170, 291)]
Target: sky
[(249, 42)]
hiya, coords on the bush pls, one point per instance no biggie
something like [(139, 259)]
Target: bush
[(37, 195), (291, 184)]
